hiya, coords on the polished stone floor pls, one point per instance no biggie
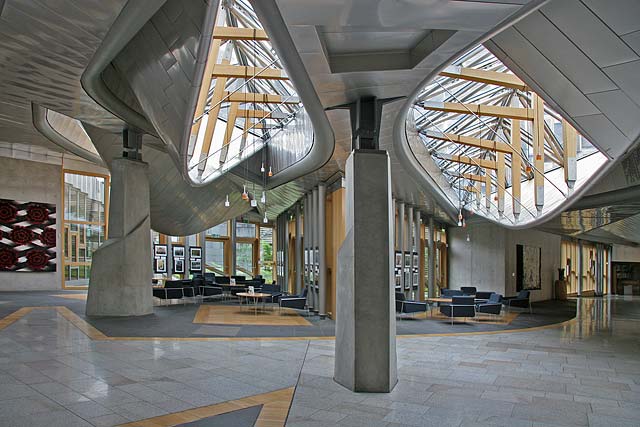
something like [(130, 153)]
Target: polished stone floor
[(583, 373)]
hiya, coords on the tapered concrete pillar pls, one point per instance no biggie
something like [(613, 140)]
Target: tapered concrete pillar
[(322, 262), (120, 281), (298, 253), (232, 242), (401, 240), (365, 324), (312, 252), (431, 272), (409, 292)]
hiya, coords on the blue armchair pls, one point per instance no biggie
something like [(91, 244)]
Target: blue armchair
[(522, 300), (459, 307), (492, 306), (449, 293), (407, 306), (297, 302)]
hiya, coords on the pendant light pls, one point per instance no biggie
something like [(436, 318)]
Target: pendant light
[(245, 196), (226, 202), (270, 172), (254, 203), (265, 219), (262, 167), (263, 199), (460, 218)]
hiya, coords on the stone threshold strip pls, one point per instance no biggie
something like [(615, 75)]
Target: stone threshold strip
[(275, 408), (97, 335)]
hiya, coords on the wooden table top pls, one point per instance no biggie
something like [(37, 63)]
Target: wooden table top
[(439, 299), (254, 295)]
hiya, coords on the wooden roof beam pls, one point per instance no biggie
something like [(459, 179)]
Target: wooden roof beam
[(481, 110), (471, 141), (474, 161), (259, 98), (243, 72), (485, 76), (236, 33)]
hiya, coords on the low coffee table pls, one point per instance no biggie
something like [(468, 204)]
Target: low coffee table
[(255, 296)]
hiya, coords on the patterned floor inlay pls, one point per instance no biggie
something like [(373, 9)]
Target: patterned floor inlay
[(240, 418), (248, 315), (82, 297), (274, 407)]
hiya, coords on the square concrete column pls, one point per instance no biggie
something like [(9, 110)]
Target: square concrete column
[(365, 324), (120, 281)]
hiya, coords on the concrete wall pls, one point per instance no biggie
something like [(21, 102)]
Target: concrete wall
[(480, 262), (550, 263), (488, 260), (622, 253), (38, 182)]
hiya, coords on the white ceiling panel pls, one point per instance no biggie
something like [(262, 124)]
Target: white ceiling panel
[(600, 129), (526, 60), (588, 32), (571, 62), (621, 110), (633, 40), (627, 77), (622, 16)]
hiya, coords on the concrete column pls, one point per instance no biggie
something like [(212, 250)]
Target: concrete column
[(580, 261), (322, 294), (401, 241), (298, 254), (410, 248), (394, 228), (306, 243), (316, 242), (232, 242), (120, 281), (312, 245), (203, 245), (416, 226), (609, 271), (365, 324), (431, 248)]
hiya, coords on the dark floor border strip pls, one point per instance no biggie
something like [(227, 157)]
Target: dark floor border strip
[(93, 333)]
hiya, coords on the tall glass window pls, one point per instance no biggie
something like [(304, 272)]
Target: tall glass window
[(85, 228)]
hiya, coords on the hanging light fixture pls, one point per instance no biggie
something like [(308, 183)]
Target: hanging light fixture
[(265, 219), (460, 218), (270, 172), (468, 238), (254, 203), (245, 196), (262, 167), (263, 199), (226, 202)]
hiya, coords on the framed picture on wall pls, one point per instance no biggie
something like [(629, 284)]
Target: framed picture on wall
[(416, 260), (407, 260), (398, 259), (178, 265), (416, 280), (178, 251), (195, 252), (528, 267), (160, 265), (195, 265), (160, 250), (407, 279)]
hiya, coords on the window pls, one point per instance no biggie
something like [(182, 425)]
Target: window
[(85, 200), (244, 229)]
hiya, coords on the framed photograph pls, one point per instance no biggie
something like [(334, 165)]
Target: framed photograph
[(195, 252), (416, 279), (195, 265), (416, 260), (160, 265), (178, 252), (178, 265), (407, 280), (407, 260), (160, 250), (398, 279), (398, 259), (528, 267)]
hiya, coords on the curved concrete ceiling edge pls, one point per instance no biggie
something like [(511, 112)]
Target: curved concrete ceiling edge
[(324, 139), (130, 20), (413, 167), (202, 55), (42, 125)]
